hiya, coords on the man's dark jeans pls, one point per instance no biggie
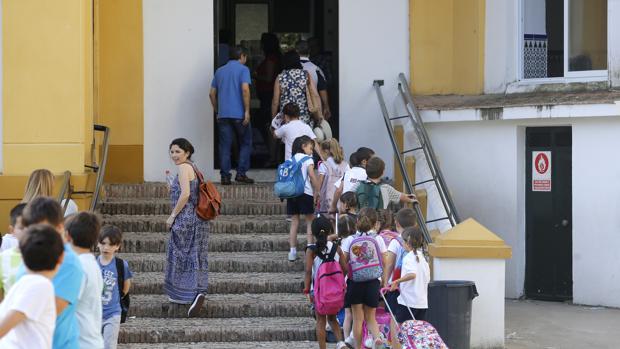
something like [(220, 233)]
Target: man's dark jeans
[(226, 128)]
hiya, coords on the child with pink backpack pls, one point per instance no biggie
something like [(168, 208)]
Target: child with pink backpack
[(324, 280)]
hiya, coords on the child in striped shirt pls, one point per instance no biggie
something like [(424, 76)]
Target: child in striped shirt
[(11, 258)]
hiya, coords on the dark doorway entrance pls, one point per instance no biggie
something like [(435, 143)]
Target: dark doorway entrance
[(548, 200), (243, 22)]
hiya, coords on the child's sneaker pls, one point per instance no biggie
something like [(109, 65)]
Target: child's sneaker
[(341, 345), (369, 342), (350, 341), (292, 256), (381, 342)]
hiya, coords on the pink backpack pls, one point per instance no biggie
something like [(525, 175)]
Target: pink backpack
[(329, 285), (388, 236)]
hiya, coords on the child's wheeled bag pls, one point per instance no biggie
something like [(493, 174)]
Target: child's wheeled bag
[(416, 334)]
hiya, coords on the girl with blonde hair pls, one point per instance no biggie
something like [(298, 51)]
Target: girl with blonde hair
[(330, 170), (41, 183)]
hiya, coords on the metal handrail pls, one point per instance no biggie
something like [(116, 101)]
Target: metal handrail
[(429, 153), (101, 168), (409, 186), (65, 191)]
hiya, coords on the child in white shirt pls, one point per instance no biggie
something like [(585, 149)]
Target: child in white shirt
[(413, 283), (292, 129), (28, 313), (330, 171), (10, 240), (354, 176)]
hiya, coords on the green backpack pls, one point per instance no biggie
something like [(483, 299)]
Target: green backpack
[(369, 195)]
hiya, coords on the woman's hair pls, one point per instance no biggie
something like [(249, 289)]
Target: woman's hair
[(270, 44), (40, 183), (290, 60), (298, 144), (366, 219), (332, 147), (185, 145), (415, 239), (349, 199), (346, 226), (321, 228), (386, 220)]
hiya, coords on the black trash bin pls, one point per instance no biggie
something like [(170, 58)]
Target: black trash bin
[(449, 311)]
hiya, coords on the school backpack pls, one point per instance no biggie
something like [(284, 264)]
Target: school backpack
[(120, 281), (290, 182), (328, 189), (209, 199), (388, 236), (398, 264), (329, 285), (365, 262), (383, 322), (368, 194), (417, 334)]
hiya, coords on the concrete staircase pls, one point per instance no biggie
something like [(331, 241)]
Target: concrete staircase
[(254, 299)]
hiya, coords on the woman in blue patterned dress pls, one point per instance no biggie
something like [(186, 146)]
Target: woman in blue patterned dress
[(290, 87), (187, 266)]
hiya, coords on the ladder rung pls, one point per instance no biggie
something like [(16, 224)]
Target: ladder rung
[(426, 181), (410, 150), (437, 220), (399, 117)]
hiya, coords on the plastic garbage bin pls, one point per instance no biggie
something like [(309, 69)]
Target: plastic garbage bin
[(449, 310)]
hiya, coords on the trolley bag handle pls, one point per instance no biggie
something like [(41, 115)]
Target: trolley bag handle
[(383, 292)]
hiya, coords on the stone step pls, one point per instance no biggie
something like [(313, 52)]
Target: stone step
[(158, 190), (221, 225), (150, 330), (220, 345), (222, 262), (157, 242), (163, 207), (227, 283), (225, 306)]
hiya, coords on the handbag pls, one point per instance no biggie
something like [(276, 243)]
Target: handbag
[(314, 100)]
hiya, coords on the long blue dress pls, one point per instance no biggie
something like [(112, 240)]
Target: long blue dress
[(187, 265)]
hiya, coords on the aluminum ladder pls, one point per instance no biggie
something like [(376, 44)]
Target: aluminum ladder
[(413, 120)]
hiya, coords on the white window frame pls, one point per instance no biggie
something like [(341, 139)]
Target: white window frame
[(576, 76)]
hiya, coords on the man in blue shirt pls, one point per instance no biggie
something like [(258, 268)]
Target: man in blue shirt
[(230, 97)]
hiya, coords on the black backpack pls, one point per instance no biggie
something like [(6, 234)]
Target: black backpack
[(124, 299)]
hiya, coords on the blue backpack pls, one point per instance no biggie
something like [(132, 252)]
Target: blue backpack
[(290, 183)]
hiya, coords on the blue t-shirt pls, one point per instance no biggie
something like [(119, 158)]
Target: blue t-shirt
[(227, 81), (67, 284), (111, 299)]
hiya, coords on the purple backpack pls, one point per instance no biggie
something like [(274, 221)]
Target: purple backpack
[(329, 285), (365, 260)]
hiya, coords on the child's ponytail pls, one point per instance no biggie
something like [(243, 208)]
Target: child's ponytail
[(415, 239), (366, 220), (321, 228)]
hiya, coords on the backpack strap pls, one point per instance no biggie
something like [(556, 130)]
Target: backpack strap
[(120, 275), (198, 174)]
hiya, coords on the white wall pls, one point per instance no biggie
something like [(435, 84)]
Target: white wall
[(501, 45), (178, 68), (484, 165), (374, 44), (613, 41)]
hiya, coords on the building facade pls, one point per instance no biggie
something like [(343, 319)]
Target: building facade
[(144, 67)]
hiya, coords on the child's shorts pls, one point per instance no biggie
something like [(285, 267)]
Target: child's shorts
[(300, 205), (366, 293), (402, 314)]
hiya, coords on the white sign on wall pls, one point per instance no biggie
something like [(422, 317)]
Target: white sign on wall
[(541, 171)]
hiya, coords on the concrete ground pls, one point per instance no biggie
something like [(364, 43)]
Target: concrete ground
[(548, 325)]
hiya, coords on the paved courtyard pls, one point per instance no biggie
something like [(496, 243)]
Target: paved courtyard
[(548, 325)]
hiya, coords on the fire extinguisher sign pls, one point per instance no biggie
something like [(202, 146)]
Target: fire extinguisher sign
[(541, 171)]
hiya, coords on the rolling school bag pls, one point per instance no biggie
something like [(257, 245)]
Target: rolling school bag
[(329, 285), (416, 334), (365, 262), (290, 182)]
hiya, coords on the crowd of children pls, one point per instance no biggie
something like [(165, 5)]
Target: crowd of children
[(55, 292), (353, 233)]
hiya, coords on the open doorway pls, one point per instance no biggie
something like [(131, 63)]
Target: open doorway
[(243, 22)]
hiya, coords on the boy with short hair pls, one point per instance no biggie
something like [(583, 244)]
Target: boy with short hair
[(28, 314), (10, 239), (83, 232), (11, 257), (68, 279), (292, 128), (110, 241), (372, 193)]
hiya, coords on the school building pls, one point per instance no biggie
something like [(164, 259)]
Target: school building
[(518, 96)]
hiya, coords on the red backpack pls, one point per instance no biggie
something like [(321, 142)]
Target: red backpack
[(209, 199)]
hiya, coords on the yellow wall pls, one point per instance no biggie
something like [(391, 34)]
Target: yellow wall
[(120, 85), (47, 85), (447, 46)]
